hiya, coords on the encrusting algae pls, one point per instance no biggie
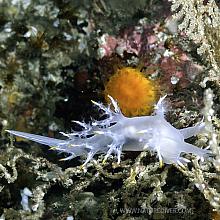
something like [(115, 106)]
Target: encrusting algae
[(135, 94)]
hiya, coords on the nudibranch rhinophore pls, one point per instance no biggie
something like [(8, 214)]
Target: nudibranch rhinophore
[(118, 133)]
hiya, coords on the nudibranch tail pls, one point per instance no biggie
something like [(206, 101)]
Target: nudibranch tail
[(37, 138)]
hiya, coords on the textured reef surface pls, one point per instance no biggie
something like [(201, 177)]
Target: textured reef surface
[(58, 55)]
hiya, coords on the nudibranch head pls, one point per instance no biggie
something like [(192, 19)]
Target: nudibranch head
[(135, 93)]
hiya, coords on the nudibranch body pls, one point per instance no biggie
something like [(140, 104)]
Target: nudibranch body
[(118, 133)]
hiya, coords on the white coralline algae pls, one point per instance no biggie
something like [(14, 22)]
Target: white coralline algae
[(118, 133)]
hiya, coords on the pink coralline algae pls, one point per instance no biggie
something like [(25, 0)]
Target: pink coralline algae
[(133, 40), (148, 44), (178, 68)]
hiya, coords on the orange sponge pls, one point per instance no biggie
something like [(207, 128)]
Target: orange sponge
[(135, 94)]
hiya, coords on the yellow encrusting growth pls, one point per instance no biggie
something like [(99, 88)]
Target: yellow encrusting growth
[(135, 94)]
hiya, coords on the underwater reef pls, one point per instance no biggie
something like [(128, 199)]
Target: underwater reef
[(58, 55)]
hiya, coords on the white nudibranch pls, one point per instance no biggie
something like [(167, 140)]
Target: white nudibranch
[(118, 133)]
